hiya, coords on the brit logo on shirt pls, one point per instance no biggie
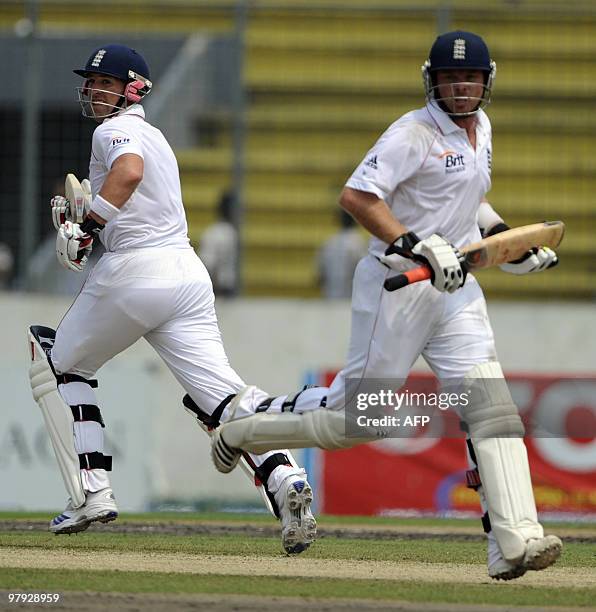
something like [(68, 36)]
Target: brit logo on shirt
[(119, 140), (454, 162), (489, 159)]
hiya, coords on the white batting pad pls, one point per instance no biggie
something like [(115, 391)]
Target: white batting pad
[(58, 420), (262, 432), (502, 462)]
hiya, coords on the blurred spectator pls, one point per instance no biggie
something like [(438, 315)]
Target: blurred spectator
[(338, 258), (6, 265), (218, 249)]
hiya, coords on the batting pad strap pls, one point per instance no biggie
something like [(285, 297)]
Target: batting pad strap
[(95, 461), (269, 498), (213, 420), (473, 479), (289, 405), (264, 470), (87, 412), (264, 405), (64, 379), (486, 523)]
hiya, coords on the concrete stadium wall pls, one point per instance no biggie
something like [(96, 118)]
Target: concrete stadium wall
[(159, 454)]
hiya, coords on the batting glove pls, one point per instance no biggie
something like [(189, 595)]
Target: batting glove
[(73, 246), (438, 254), (62, 209), (537, 259), (444, 261)]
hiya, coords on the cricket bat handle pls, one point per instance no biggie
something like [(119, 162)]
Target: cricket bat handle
[(415, 275)]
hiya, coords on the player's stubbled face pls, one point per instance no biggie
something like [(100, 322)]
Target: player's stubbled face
[(461, 90), (105, 93)]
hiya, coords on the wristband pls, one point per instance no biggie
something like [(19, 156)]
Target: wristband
[(103, 208), (487, 217)]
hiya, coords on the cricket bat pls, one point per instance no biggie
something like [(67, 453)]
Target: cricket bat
[(74, 193), (493, 251)]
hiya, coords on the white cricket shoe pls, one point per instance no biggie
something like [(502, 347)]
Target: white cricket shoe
[(298, 525), (99, 506), (498, 568), (540, 554), (503, 570)]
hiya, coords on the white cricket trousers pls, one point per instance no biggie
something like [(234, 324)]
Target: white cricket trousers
[(390, 330), (164, 295)]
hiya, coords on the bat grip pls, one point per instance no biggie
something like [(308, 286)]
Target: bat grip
[(407, 278), (415, 276)]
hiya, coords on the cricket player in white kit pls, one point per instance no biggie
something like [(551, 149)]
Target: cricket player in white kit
[(420, 191), (151, 284)]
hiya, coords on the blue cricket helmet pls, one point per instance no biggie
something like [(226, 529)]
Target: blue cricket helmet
[(120, 62), (117, 61), (458, 50)]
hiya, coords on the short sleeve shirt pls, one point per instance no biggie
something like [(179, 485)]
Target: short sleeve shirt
[(154, 215), (424, 167)]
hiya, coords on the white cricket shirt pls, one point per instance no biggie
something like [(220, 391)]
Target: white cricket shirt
[(154, 215), (426, 170)]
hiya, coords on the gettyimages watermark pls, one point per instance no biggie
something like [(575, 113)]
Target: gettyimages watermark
[(392, 408)]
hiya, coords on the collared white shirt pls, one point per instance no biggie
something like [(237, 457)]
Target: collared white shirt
[(154, 215), (426, 170)]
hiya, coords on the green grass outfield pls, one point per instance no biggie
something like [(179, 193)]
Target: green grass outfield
[(28, 555)]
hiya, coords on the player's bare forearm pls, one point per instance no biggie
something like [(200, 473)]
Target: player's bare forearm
[(372, 213), (122, 179)]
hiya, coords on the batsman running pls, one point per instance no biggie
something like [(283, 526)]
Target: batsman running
[(421, 192), (150, 284)]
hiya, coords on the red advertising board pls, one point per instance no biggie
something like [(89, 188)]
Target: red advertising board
[(426, 473)]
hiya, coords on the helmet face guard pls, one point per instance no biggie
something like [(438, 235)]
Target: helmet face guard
[(133, 93), (435, 99), (458, 50), (85, 98), (120, 62)]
